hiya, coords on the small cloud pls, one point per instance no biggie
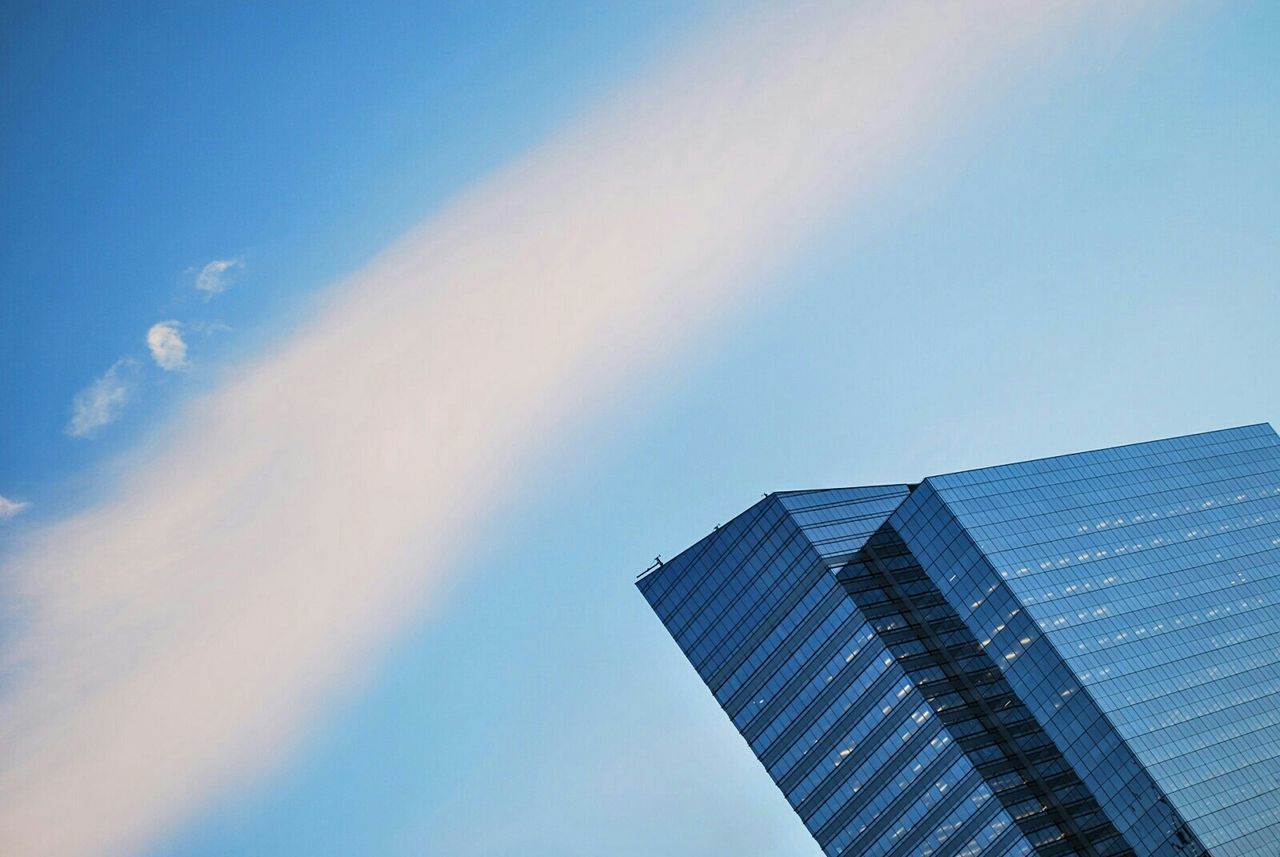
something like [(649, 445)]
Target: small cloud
[(102, 401), (215, 277), (9, 508), (168, 348)]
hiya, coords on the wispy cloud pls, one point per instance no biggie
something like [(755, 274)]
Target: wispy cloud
[(9, 508), (182, 634), (168, 349), (101, 402), (216, 276), (209, 328)]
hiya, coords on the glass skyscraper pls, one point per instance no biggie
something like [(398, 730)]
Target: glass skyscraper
[(1075, 655)]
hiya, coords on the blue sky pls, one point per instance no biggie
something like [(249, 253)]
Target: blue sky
[(141, 143), (1081, 251)]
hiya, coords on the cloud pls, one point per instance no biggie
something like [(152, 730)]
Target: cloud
[(168, 349), (9, 508), (215, 277), (209, 328), (249, 561), (102, 401)]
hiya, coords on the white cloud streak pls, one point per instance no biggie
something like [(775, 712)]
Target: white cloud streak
[(9, 508), (215, 277), (101, 402), (178, 637), (167, 347)]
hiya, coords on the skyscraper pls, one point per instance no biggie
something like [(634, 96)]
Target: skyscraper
[(1074, 655)]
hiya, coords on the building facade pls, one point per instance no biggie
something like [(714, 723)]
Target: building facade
[(1075, 655)]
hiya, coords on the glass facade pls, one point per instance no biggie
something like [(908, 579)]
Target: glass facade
[(1076, 655), (814, 690)]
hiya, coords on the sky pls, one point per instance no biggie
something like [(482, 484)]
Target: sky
[(355, 365)]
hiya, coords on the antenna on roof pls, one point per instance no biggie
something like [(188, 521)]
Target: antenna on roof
[(657, 564)]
